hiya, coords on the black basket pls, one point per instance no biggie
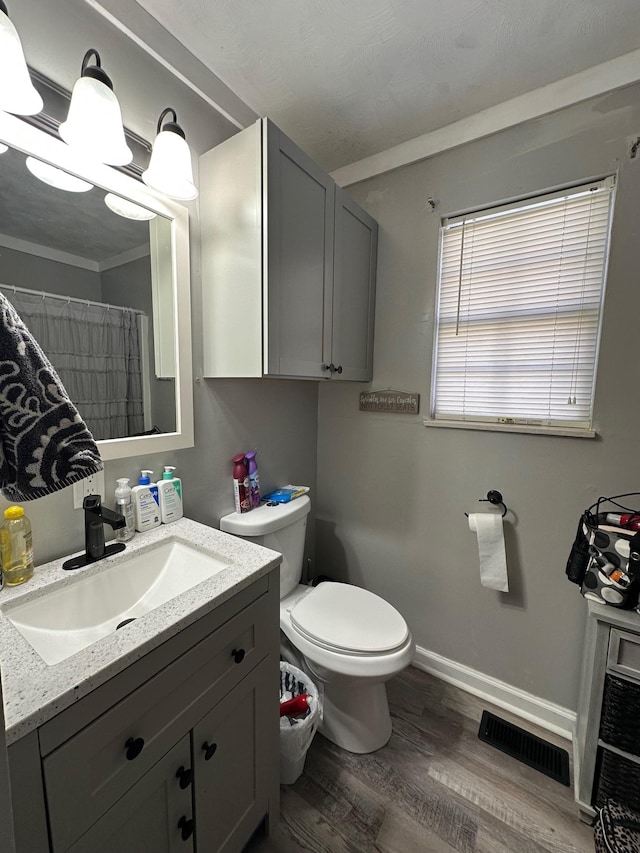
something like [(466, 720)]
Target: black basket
[(620, 721), (618, 779)]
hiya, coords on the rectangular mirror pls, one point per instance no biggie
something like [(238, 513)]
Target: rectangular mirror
[(100, 276)]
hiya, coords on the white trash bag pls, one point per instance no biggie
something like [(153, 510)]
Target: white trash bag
[(296, 732)]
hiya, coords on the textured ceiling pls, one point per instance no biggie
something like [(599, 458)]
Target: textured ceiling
[(77, 223), (350, 78)]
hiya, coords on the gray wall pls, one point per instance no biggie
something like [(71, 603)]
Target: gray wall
[(20, 269), (278, 418), (130, 285), (392, 494)]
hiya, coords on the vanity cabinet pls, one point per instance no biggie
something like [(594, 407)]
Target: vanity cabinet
[(607, 741), (288, 264), (177, 752), (139, 821)]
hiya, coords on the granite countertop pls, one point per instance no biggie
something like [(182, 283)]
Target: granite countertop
[(34, 691)]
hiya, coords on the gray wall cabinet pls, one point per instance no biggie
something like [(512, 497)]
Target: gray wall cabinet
[(288, 262), (177, 752), (606, 745)]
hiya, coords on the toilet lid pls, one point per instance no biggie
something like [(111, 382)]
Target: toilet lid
[(349, 619)]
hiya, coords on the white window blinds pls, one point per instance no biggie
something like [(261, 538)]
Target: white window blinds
[(518, 318)]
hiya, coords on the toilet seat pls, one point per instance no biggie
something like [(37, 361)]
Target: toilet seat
[(350, 620)]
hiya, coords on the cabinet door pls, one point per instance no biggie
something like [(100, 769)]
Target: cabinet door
[(7, 840), (233, 762), (155, 816), (354, 285), (299, 211)]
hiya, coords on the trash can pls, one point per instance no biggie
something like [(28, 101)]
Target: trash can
[(296, 730)]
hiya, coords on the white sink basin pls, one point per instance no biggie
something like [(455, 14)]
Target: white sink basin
[(69, 618)]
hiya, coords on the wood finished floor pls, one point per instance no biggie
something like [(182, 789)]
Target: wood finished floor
[(435, 788)]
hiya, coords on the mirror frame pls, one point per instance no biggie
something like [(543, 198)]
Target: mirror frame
[(19, 135)]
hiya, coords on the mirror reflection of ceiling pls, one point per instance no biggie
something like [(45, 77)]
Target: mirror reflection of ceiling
[(77, 223)]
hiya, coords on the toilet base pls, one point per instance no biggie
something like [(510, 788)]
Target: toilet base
[(356, 716)]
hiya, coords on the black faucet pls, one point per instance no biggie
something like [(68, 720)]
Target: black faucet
[(95, 517)]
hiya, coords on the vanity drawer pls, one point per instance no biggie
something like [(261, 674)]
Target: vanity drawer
[(88, 773), (624, 653)]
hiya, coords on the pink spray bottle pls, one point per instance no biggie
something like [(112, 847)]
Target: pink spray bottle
[(241, 494)]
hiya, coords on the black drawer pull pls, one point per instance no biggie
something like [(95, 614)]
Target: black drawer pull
[(185, 776), (209, 750), (238, 655), (339, 369), (134, 747), (186, 826)]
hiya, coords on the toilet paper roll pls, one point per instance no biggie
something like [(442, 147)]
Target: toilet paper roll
[(493, 558)]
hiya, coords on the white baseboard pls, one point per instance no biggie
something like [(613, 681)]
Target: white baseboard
[(546, 714)]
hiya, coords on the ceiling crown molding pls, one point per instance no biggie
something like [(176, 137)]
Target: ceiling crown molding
[(599, 80)]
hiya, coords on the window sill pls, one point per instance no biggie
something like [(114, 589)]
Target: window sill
[(521, 428)]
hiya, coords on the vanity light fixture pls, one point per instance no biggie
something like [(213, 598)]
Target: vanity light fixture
[(17, 94), (170, 171), (57, 178), (3, 147), (128, 209), (94, 122)]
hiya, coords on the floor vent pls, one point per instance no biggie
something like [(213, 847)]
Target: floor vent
[(525, 747)]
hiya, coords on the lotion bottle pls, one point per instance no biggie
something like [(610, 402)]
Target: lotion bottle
[(16, 546), (170, 495), (124, 507), (146, 508)]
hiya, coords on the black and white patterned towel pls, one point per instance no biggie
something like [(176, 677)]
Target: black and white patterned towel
[(44, 443)]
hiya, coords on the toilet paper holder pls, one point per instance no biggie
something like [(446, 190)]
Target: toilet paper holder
[(493, 497)]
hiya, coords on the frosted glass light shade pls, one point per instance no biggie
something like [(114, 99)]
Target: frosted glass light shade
[(94, 123), (170, 171), (17, 94), (3, 147), (128, 209), (57, 177)]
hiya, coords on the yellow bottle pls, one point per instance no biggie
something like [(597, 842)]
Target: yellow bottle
[(16, 546)]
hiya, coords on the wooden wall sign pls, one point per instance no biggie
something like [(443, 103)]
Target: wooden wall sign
[(396, 402)]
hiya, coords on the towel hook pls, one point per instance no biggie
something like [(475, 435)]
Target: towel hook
[(493, 497)]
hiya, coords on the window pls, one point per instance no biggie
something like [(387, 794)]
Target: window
[(519, 307)]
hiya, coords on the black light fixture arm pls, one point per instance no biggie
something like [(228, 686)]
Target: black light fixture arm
[(3, 8), (94, 70), (173, 126)]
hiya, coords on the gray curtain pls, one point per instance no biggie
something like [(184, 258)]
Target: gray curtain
[(95, 350)]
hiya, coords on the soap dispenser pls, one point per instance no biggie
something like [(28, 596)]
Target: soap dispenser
[(146, 507), (124, 507), (170, 496)]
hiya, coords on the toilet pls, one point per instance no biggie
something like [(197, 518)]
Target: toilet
[(350, 641)]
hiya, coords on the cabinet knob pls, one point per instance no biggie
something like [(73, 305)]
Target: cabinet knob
[(327, 366), (185, 776), (185, 824), (134, 747), (209, 750), (338, 369), (238, 655)]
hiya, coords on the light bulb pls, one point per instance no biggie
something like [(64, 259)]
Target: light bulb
[(94, 121), (128, 209), (170, 171), (17, 93), (57, 177)]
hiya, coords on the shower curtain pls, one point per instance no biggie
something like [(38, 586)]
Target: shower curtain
[(95, 350)]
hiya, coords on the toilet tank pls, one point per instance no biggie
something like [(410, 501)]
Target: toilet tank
[(280, 527)]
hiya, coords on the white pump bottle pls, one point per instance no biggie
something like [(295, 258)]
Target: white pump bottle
[(124, 507), (170, 496)]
